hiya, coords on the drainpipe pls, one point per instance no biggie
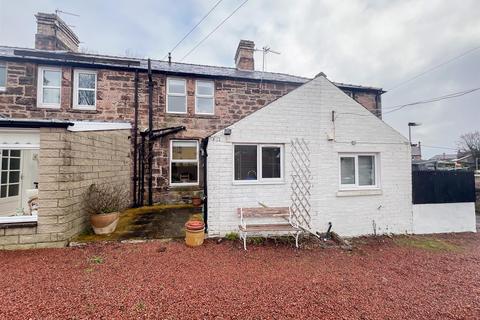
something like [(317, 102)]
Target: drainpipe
[(205, 186), (141, 162), (135, 142), (150, 133)]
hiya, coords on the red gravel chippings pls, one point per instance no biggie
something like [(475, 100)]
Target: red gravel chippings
[(377, 280)]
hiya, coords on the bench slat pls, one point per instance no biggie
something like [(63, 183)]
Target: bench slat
[(268, 227), (265, 212)]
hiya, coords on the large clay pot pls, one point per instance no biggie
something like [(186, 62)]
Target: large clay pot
[(104, 223), (196, 201)]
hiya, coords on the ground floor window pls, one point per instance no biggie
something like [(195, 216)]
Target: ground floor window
[(258, 162), (10, 181), (184, 162), (358, 170), (18, 184)]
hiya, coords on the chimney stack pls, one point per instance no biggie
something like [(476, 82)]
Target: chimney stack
[(244, 55), (54, 34)]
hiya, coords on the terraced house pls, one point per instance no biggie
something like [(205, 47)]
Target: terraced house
[(70, 119)]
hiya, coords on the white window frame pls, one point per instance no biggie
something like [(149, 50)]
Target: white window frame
[(4, 65), (19, 170), (260, 179), (40, 86), (181, 184), (76, 72), (356, 185), (212, 96), (176, 94), (19, 144)]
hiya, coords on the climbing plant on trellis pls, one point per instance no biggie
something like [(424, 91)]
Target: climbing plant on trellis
[(301, 182)]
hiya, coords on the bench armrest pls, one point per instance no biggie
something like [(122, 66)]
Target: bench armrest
[(242, 221)]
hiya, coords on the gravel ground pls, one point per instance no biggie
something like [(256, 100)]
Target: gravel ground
[(380, 279)]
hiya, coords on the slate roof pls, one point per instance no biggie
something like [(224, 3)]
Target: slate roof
[(174, 68), (444, 156)]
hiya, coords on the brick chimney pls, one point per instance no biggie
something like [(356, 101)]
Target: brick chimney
[(244, 55), (54, 34)]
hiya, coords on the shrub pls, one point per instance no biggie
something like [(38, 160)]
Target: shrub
[(105, 198), (231, 236)]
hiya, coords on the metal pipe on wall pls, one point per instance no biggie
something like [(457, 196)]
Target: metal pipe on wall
[(135, 142), (150, 133)]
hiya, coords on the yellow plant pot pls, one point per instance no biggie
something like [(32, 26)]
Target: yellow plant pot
[(194, 238)]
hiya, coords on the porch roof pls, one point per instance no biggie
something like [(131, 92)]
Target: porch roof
[(29, 123)]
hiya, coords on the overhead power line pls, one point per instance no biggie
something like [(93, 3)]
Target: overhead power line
[(215, 29), (438, 147), (448, 96), (399, 107), (194, 27), (432, 69)]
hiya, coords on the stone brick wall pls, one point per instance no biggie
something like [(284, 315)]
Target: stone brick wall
[(69, 162), (234, 99)]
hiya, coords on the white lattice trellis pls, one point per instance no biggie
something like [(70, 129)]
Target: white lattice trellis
[(301, 182)]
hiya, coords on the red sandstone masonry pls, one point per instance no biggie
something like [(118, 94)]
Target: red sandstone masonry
[(234, 99)]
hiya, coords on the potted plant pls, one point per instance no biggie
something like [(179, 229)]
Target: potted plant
[(196, 199), (103, 203)]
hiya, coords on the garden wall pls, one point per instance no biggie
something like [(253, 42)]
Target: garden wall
[(443, 201), (444, 217), (69, 162)]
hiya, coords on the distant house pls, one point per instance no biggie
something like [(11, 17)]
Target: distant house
[(417, 151), (444, 157)]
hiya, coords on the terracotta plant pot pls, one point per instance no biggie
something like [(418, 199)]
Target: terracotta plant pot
[(104, 223), (196, 201)]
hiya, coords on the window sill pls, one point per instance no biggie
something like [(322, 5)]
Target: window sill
[(186, 115), (256, 183), (181, 185), (359, 192), (77, 110), (18, 221), (48, 107)]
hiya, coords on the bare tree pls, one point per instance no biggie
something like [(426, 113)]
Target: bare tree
[(470, 144)]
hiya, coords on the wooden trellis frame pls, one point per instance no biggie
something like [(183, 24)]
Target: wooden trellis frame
[(301, 184)]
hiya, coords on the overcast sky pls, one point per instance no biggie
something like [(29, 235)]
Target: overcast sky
[(373, 43)]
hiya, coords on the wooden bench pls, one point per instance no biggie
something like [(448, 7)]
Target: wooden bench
[(282, 214)]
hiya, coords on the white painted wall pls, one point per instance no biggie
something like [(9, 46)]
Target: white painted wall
[(444, 217), (306, 113)]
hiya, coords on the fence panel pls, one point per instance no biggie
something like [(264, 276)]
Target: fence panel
[(443, 186)]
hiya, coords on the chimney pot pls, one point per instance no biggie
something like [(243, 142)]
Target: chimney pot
[(54, 34), (244, 55)]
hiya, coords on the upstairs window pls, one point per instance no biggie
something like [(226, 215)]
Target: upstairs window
[(258, 162), (3, 77), (49, 87), (176, 95), (358, 171), (84, 89), (204, 97), (184, 162)]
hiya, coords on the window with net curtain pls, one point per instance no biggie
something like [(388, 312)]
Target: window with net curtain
[(85, 82), (49, 87), (184, 162), (358, 171), (204, 97), (176, 95)]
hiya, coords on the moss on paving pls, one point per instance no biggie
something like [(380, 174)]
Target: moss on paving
[(128, 226), (426, 243)]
